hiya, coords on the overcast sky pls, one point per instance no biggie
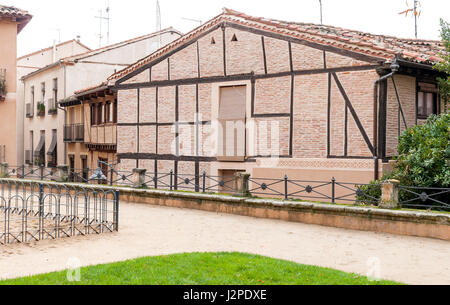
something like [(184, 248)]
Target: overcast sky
[(64, 20)]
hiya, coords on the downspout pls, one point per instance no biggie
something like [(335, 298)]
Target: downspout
[(394, 68), (23, 124), (65, 113)]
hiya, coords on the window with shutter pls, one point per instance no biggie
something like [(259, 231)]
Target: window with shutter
[(232, 119)]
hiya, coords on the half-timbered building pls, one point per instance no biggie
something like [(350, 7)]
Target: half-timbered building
[(274, 98)]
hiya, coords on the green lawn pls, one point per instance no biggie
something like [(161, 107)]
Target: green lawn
[(202, 269)]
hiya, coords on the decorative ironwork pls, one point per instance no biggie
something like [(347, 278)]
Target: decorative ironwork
[(425, 198), (288, 189), (31, 211)]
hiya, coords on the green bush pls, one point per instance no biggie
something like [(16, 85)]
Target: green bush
[(369, 193), (424, 154), (423, 161)]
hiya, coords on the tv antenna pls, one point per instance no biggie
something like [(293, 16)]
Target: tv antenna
[(101, 19), (321, 12), (158, 22), (193, 20), (416, 11)]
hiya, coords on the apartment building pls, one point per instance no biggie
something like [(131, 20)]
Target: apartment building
[(12, 21), (32, 62), (82, 73)]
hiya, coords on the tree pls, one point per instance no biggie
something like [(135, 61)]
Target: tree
[(444, 65)]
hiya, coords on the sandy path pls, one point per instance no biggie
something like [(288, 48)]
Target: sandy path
[(148, 231)]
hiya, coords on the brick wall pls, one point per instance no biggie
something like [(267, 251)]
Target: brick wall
[(406, 86), (272, 96)]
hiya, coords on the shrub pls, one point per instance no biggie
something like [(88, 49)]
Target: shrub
[(423, 161), (424, 154), (369, 193)]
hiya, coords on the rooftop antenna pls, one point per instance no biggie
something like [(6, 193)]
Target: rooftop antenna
[(158, 22), (321, 12), (59, 35), (101, 19), (108, 19), (416, 11), (193, 20), (100, 36)]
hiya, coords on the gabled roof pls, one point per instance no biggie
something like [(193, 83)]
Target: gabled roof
[(58, 45), (21, 16), (120, 44), (386, 48), (74, 59)]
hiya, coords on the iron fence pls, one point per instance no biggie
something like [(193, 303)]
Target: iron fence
[(332, 191), (32, 211), (425, 198)]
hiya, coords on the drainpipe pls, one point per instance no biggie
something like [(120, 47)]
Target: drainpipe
[(394, 68), (63, 109), (23, 125)]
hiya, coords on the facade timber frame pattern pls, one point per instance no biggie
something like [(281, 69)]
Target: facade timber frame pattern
[(371, 64)]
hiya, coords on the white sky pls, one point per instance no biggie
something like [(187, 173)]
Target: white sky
[(132, 18)]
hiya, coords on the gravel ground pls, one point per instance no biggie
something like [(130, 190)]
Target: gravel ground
[(148, 231)]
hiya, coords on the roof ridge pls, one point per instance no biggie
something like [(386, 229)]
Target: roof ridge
[(232, 12), (189, 34), (377, 46), (51, 47), (111, 46)]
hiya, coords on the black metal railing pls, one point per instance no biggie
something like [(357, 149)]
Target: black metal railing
[(332, 191), (35, 211), (425, 198), (74, 133)]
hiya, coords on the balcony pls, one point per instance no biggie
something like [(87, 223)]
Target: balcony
[(30, 110), (41, 109), (52, 110), (2, 84), (74, 133)]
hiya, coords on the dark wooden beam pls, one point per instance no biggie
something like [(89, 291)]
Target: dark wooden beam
[(382, 120), (264, 53), (164, 157), (354, 114), (247, 76), (223, 25), (291, 121), (198, 61), (359, 56), (224, 40), (329, 116), (291, 61)]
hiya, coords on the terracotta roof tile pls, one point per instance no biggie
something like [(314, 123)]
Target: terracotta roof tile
[(23, 17), (12, 11)]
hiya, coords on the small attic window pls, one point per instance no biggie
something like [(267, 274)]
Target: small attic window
[(213, 41), (234, 38)]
